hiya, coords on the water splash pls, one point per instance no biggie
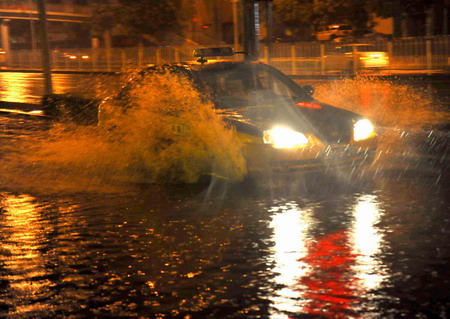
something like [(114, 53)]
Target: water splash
[(388, 103), (170, 135), (407, 119)]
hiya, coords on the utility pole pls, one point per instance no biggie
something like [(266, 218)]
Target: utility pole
[(236, 26), (252, 26), (45, 54), (269, 29)]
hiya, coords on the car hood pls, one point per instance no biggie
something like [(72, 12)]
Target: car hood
[(330, 124)]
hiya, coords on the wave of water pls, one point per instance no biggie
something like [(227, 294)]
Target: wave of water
[(409, 121), (170, 135)]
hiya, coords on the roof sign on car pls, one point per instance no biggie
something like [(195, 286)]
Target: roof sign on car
[(209, 52), (214, 52)]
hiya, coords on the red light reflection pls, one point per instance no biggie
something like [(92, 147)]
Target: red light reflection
[(330, 288)]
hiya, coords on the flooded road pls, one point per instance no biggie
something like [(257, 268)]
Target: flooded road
[(376, 246)]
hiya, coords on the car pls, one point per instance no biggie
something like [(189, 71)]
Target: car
[(331, 32), (283, 129), (356, 57)]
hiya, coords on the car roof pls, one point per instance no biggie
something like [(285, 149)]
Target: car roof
[(196, 66)]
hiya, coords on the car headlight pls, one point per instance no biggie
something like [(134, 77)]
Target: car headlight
[(362, 130), (283, 137)]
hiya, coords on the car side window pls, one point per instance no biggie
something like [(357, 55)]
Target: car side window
[(271, 83)]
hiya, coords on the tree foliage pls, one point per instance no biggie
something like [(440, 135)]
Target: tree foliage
[(138, 18), (354, 12), (322, 12), (391, 8)]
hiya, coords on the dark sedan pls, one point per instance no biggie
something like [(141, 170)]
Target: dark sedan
[(282, 127)]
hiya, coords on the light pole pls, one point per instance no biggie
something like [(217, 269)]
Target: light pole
[(45, 55), (252, 26), (236, 26)]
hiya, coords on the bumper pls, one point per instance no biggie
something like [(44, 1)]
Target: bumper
[(375, 64), (263, 158)]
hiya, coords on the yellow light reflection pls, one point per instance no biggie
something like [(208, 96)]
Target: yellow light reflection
[(20, 214), (367, 242), (15, 87), (25, 223), (290, 228)]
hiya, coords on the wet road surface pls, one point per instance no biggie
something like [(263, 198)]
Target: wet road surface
[(375, 246)]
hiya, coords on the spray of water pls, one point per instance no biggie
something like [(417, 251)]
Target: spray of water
[(387, 103), (169, 135), (176, 135), (405, 116)]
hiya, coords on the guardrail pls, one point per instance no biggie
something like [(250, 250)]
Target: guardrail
[(30, 6), (292, 58)]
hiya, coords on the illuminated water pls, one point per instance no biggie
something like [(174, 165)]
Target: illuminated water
[(83, 245)]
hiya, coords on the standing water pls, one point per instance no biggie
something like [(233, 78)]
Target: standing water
[(80, 239)]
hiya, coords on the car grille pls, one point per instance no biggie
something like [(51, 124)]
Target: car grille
[(336, 136)]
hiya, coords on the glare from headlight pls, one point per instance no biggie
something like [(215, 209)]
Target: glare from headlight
[(283, 137), (362, 130)]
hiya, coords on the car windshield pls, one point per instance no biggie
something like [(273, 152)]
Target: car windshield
[(242, 85)]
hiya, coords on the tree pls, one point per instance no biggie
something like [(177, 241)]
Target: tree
[(322, 12), (354, 12), (139, 19), (392, 8)]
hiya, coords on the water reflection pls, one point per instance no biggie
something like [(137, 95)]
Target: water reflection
[(290, 235), (29, 87), (366, 241), (16, 87), (25, 231), (29, 261), (326, 273)]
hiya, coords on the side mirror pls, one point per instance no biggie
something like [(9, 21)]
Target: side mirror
[(309, 90)]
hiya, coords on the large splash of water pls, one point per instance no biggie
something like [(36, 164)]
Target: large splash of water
[(408, 119), (387, 103), (170, 135)]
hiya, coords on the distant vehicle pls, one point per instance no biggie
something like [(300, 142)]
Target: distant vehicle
[(333, 31), (356, 57)]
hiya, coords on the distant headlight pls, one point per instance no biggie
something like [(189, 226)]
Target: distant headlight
[(362, 130), (282, 137)]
